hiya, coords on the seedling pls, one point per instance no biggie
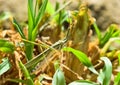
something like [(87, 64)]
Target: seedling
[(33, 22)]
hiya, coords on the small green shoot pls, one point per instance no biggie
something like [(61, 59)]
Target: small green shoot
[(17, 80), (4, 66), (34, 19), (58, 78), (119, 58), (19, 29), (4, 16), (29, 80), (82, 58), (82, 82), (6, 46), (117, 79), (97, 31), (107, 45), (112, 32), (105, 74)]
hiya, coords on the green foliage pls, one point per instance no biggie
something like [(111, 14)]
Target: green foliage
[(4, 16), (4, 66), (50, 9), (6, 46), (108, 44), (119, 58), (117, 79), (17, 80), (83, 82), (29, 80), (97, 31), (82, 58), (19, 29), (33, 22), (58, 78), (112, 31), (105, 74), (61, 16)]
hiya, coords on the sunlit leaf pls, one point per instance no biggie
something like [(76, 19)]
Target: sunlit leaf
[(38, 18), (105, 74), (31, 19), (4, 16), (29, 80), (58, 78), (17, 80), (82, 58), (4, 66), (19, 29), (97, 31), (41, 12), (117, 79), (119, 58), (107, 36), (50, 9), (83, 82), (6, 46)]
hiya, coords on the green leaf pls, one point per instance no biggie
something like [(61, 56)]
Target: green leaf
[(41, 12), (4, 16), (50, 9), (117, 79), (29, 80), (105, 74), (19, 29), (82, 58), (58, 78), (31, 20), (119, 58), (17, 80), (107, 36), (38, 19), (97, 31), (6, 46), (83, 82), (4, 66)]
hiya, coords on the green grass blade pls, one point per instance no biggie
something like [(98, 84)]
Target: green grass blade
[(119, 58), (58, 78), (4, 66), (19, 29), (26, 74), (38, 19), (105, 75), (5, 16), (6, 46), (97, 31), (107, 36), (83, 82), (31, 20), (41, 12), (82, 58), (29, 50), (17, 80), (50, 9), (116, 34), (117, 79), (31, 25)]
